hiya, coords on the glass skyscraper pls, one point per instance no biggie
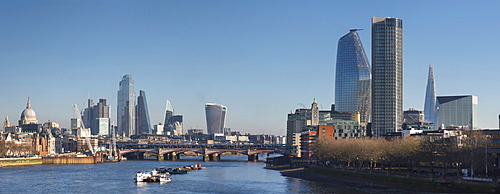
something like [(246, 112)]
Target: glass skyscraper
[(126, 107), (387, 75), (142, 117), (430, 97), (352, 76), (216, 118)]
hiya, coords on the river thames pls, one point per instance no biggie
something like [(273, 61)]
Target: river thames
[(231, 175)]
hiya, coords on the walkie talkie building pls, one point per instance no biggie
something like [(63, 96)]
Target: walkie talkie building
[(216, 118)]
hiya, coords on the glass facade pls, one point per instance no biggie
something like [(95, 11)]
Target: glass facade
[(126, 107), (142, 116), (457, 111), (430, 98), (352, 76), (387, 75), (216, 118)]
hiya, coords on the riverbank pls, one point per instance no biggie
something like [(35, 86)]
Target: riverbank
[(376, 183), (20, 161)]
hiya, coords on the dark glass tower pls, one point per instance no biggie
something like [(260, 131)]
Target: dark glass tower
[(387, 75), (352, 76), (430, 97), (216, 118), (142, 115)]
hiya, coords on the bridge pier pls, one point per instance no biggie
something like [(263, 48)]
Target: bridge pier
[(253, 157), (214, 157), (160, 156), (172, 156)]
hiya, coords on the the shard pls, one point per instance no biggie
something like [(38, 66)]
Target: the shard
[(430, 97)]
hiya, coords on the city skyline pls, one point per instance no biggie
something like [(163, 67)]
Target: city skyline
[(240, 54)]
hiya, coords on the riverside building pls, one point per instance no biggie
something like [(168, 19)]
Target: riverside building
[(457, 111), (387, 75), (352, 76)]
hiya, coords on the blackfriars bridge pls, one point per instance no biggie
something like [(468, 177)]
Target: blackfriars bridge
[(210, 152)]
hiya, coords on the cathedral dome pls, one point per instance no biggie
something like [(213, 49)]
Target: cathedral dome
[(28, 116)]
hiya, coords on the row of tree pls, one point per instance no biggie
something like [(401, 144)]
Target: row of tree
[(464, 150), (12, 148)]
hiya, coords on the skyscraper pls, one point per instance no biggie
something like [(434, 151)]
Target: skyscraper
[(352, 76), (142, 117), (216, 118), (387, 75), (126, 107), (457, 111), (96, 117), (430, 97), (168, 124)]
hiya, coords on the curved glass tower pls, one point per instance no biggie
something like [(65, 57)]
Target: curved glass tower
[(352, 76), (142, 117), (216, 118), (430, 97)]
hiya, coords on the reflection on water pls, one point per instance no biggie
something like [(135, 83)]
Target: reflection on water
[(232, 175)]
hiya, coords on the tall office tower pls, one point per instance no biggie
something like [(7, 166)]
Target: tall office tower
[(142, 116), (430, 97), (96, 117), (88, 115), (126, 107), (352, 76), (387, 75), (216, 118), (457, 111), (169, 113)]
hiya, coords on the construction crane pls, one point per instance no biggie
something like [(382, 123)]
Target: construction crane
[(82, 127)]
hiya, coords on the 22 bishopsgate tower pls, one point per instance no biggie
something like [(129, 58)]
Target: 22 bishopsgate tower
[(126, 107), (352, 76), (387, 75)]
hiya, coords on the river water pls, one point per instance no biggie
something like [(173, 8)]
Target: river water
[(233, 174)]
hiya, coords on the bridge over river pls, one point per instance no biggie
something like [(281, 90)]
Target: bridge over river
[(210, 152)]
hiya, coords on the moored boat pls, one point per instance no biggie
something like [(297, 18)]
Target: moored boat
[(145, 176)]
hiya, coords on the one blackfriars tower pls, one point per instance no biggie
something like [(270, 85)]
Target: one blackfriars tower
[(387, 75), (352, 76)]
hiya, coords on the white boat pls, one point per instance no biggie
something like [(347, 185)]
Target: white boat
[(142, 176), (165, 179), (145, 176)]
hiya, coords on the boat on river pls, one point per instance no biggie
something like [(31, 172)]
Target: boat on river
[(146, 176)]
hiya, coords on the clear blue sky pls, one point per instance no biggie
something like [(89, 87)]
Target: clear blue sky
[(261, 59)]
